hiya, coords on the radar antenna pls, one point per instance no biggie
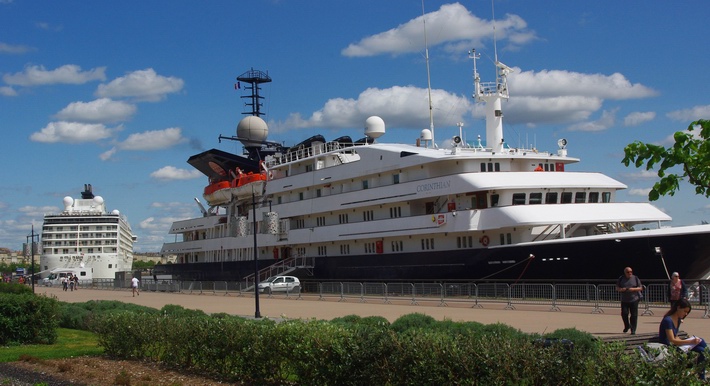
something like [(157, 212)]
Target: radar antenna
[(254, 78)]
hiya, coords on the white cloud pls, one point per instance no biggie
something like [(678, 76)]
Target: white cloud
[(102, 110), (637, 118), (66, 74), (455, 27), (108, 154), (153, 140), (71, 132), (642, 174), (606, 121), (143, 85), (7, 91), (399, 106), (172, 173), (639, 192), (691, 114), (553, 83), (14, 49)]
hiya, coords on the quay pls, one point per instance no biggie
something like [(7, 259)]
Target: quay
[(529, 318)]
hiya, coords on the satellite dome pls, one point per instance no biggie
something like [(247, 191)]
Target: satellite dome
[(252, 131), (426, 135), (98, 200), (68, 201), (374, 127), (116, 212)]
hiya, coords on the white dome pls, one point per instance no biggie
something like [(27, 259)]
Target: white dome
[(252, 131), (116, 212), (98, 200), (374, 127), (426, 135), (68, 202)]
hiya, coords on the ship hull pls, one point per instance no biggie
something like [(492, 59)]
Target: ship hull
[(596, 258)]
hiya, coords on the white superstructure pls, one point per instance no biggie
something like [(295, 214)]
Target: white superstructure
[(85, 235)]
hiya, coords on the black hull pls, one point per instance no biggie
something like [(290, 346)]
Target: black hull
[(600, 259)]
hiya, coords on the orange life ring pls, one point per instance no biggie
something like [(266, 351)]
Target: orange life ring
[(485, 240)]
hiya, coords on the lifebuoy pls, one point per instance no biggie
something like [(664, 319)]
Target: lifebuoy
[(485, 240)]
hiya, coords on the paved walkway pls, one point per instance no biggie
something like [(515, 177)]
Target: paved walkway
[(531, 319)]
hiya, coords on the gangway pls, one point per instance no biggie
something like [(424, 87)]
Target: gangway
[(282, 267)]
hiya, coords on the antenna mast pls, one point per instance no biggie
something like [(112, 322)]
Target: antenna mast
[(428, 77)]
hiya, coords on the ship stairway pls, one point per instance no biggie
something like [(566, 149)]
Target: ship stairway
[(552, 231), (283, 267)]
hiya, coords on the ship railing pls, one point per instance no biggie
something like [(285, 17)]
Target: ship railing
[(596, 297)]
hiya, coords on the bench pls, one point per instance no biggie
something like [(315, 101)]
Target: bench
[(633, 341)]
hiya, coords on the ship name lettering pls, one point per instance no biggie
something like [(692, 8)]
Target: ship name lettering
[(433, 186)]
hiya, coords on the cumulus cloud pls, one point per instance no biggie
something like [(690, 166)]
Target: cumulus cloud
[(102, 110), (153, 140), (143, 85), (691, 114), (637, 118), (14, 49), (548, 83), (642, 175), (71, 132), (606, 121), (7, 91), (639, 192), (66, 74), (168, 173), (406, 106), (455, 27)]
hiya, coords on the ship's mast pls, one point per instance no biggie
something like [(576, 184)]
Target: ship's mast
[(428, 78)]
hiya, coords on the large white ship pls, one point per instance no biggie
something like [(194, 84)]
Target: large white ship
[(86, 235), (373, 211)]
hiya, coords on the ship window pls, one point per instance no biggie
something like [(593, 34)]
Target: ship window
[(551, 198), (395, 212), (502, 239), (566, 198), (490, 166), (397, 246), (535, 198), (300, 196), (368, 215), (343, 218), (483, 166), (606, 197), (110, 265), (518, 198), (494, 199), (345, 249), (365, 184), (496, 166), (580, 197), (593, 197), (509, 238), (395, 179), (318, 192), (320, 221)]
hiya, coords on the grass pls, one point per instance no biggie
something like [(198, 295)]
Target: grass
[(70, 343)]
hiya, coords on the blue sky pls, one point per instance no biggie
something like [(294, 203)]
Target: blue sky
[(121, 94)]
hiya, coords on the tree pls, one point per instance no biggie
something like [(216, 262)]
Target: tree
[(690, 152)]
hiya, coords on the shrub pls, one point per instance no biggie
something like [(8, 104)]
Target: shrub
[(413, 321), (28, 318), (14, 288)]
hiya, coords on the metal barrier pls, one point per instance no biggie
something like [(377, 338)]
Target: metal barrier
[(596, 297)]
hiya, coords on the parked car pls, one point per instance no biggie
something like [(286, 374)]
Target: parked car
[(280, 284)]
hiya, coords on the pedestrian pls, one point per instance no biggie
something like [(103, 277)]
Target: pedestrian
[(630, 288), (76, 282), (134, 286), (64, 283), (668, 332), (70, 279), (676, 289)]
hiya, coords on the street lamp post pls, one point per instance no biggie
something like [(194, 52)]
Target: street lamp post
[(31, 240), (257, 314)]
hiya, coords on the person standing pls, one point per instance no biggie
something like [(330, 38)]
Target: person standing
[(134, 286), (630, 288), (676, 289)]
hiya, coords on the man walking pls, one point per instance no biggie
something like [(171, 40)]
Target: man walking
[(630, 288)]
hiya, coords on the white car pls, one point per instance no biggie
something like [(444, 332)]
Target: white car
[(280, 284)]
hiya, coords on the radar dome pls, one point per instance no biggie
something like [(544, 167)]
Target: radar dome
[(426, 135), (374, 127), (98, 200), (252, 131), (116, 212), (68, 201)]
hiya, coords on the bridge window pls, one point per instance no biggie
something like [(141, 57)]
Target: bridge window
[(551, 198), (606, 197), (535, 198), (593, 197), (580, 197), (518, 198), (566, 198)]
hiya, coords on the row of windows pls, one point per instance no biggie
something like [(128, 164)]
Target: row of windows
[(365, 184), (552, 197), (83, 228)]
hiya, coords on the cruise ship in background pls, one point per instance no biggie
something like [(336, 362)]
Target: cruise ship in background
[(86, 235), (367, 210)]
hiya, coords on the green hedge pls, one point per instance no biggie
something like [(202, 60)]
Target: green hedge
[(27, 318), (414, 350)]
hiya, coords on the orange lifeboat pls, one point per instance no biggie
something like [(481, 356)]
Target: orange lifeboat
[(218, 193)]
